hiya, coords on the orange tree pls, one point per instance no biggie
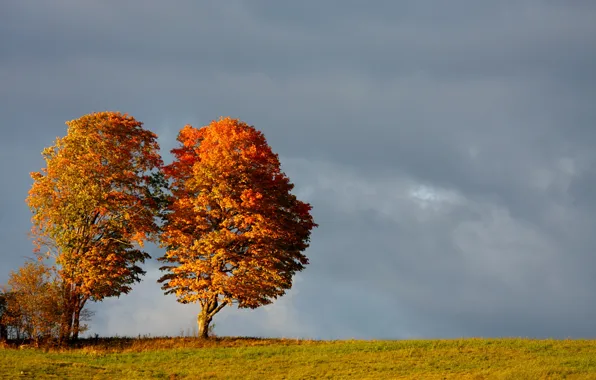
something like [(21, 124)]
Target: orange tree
[(93, 207), (233, 231), (32, 303)]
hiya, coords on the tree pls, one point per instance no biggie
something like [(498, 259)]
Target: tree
[(233, 231), (10, 326), (94, 205), (32, 304), (3, 315)]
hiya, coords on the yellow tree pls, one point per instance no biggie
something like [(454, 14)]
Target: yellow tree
[(93, 207), (33, 306), (233, 232)]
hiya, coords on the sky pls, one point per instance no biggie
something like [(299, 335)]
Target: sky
[(447, 149)]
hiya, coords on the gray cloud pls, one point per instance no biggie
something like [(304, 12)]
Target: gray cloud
[(447, 149)]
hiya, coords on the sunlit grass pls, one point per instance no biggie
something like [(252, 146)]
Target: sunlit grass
[(251, 358)]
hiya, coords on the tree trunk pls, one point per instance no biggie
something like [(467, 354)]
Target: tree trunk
[(209, 308), (203, 321), (65, 324), (76, 323), (81, 301), (67, 314)]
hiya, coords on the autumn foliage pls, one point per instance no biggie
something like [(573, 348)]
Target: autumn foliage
[(93, 207), (233, 232), (31, 304)]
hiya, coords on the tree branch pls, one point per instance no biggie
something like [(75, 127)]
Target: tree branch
[(217, 309)]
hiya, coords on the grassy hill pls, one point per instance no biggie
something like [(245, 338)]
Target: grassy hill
[(247, 358)]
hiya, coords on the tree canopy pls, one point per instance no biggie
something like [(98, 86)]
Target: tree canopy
[(93, 208), (234, 233)]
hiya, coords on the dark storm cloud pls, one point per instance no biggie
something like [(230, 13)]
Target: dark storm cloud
[(447, 148)]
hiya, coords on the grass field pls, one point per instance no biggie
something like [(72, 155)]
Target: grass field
[(246, 358)]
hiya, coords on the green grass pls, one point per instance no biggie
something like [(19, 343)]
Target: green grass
[(245, 358)]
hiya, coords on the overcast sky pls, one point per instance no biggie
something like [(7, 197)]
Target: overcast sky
[(448, 149)]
